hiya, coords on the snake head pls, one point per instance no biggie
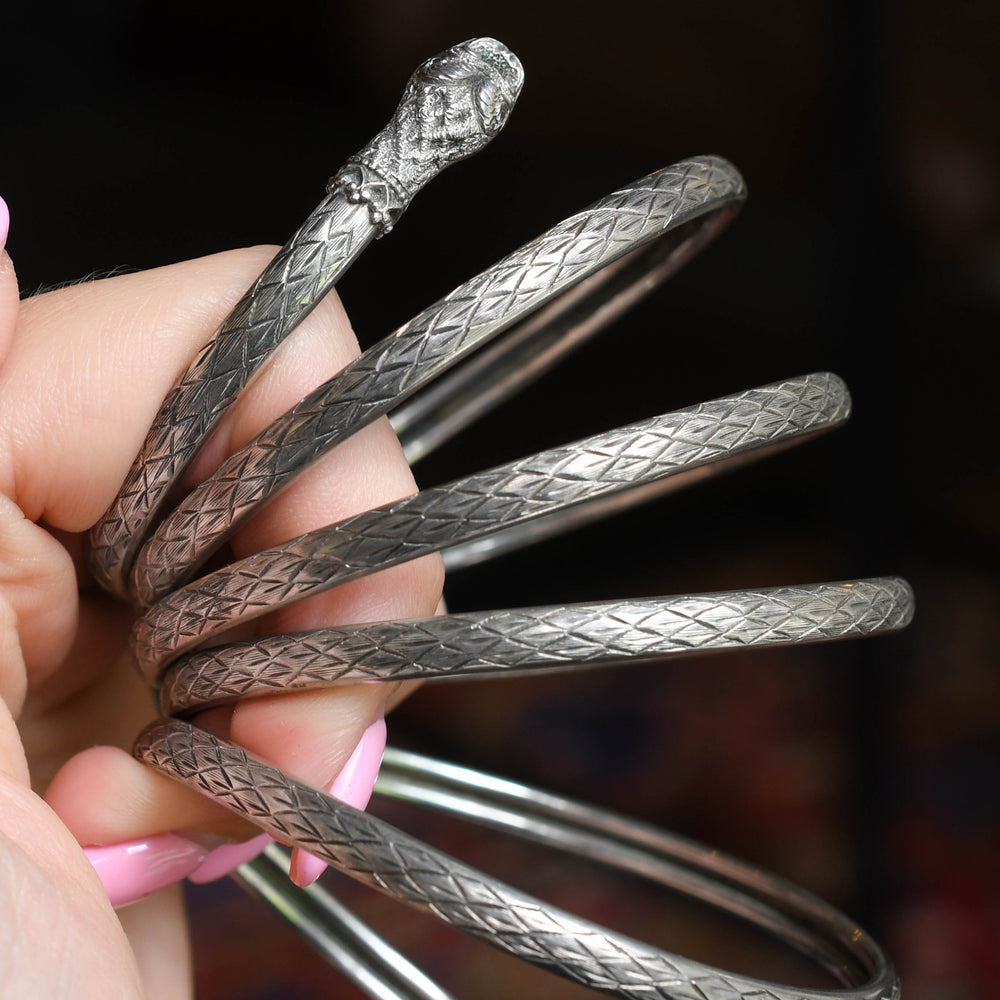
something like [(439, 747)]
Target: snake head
[(453, 105), (463, 96)]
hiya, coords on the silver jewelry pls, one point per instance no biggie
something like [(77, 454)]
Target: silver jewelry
[(380, 856), (676, 443), (548, 296), (581, 274), (563, 637), (453, 105)]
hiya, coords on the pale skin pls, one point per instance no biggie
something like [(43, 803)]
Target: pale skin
[(82, 372)]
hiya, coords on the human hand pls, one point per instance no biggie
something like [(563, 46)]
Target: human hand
[(82, 372)]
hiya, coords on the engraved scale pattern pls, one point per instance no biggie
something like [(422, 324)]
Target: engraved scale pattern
[(402, 867), (479, 504), (561, 636), (437, 115), (288, 289), (393, 369), (366, 198)]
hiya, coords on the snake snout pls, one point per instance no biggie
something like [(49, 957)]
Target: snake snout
[(503, 67)]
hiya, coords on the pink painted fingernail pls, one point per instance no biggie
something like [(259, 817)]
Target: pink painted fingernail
[(4, 222), (228, 858), (354, 786), (136, 868)]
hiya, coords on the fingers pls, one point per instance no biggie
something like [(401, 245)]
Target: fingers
[(105, 796), (45, 879), (314, 735), (59, 905), (39, 597), (87, 369), (107, 353)]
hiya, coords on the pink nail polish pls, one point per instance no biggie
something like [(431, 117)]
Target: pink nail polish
[(4, 222), (228, 858), (354, 786), (136, 868)]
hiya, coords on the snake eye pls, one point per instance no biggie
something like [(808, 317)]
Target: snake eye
[(488, 101)]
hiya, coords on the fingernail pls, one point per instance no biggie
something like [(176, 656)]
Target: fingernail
[(353, 785), (134, 869), (228, 858), (4, 222)]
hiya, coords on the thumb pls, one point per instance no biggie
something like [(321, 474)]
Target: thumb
[(50, 896)]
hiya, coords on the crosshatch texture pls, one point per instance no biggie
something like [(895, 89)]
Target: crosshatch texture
[(418, 143), (528, 639), (390, 371), (372, 851), (479, 504)]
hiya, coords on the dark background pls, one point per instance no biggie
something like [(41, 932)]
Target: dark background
[(134, 135)]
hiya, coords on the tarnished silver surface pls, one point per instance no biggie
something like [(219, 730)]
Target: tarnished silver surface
[(453, 105), (676, 443), (613, 236), (548, 296), (562, 637), (397, 864), (535, 345)]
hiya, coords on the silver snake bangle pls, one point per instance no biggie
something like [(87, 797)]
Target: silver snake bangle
[(453, 105), (377, 854), (678, 443), (561, 637), (556, 290), (547, 296)]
